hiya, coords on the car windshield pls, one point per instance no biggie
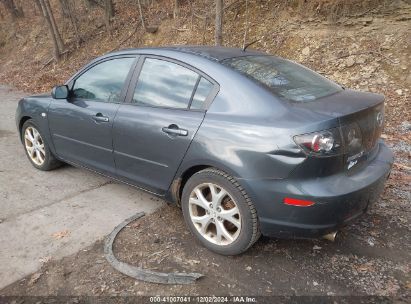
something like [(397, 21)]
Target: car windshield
[(283, 77)]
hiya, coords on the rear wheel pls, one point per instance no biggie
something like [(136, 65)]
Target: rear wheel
[(36, 147), (219, 213)]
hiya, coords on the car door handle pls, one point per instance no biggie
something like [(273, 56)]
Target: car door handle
[(174, 130), (100, 118)]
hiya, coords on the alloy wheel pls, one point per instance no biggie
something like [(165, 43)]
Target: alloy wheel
[(34, 145), (215, 214)]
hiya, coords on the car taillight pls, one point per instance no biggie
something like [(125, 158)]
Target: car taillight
[(322, 143), (353, 141)]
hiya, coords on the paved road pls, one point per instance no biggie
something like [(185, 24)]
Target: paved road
[(53, 214)]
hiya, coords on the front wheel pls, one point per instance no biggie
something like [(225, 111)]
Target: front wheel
[(36, 147), (219, 213)]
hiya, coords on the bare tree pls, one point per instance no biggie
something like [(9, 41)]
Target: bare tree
[(47, 17), (109, 13), (176, 12), (12, 8), (38, 5), (219, 7), (65, 8), (54, 25), (68, 4), (141, 14)]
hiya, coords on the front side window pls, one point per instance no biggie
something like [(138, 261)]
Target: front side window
[(164, 84), (104, 81), (283, 77)]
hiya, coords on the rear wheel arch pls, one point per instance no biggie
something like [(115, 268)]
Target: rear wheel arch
[(177, 186)]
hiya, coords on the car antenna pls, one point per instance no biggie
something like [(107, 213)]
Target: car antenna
[(251, 43)]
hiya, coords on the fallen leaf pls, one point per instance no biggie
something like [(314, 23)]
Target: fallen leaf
[(60, 234), (192, 262), (45, 259), (34, 278)]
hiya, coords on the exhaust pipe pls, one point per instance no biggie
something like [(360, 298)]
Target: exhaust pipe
[(330, 236)]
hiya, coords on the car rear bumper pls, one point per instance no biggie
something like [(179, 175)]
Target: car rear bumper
[(339, 199)]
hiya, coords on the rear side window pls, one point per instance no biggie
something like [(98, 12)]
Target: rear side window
[(165, 84), (283, 77), (203, 90), (104, 81)]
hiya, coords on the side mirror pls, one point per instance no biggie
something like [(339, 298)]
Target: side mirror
[(60, 92)]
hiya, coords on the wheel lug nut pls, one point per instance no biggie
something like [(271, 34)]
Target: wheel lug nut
[(219, 218), (211, 205), (218, 209)]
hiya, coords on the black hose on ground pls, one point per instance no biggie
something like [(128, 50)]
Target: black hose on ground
[(138, 272)]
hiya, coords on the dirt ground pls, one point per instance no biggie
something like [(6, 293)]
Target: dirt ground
[(370, 257)]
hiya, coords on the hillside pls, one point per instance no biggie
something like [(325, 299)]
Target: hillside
[(361, 44)]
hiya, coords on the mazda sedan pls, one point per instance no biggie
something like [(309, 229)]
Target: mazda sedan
[(245, 142)]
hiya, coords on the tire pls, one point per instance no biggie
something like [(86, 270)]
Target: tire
[(219, 213), (38, 153)]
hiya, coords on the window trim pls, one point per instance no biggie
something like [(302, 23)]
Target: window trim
[(193, 93), (70, 83), (136, 75)]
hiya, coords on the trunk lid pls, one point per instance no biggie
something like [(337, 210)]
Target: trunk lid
[(358, 113)]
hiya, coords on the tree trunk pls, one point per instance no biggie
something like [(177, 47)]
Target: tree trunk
[(219, 5), (14, 11), (65, 8), (109, 13), (51, 30), (54, 25), (141, 14), (176, 12), (71, 15), (38, 5)]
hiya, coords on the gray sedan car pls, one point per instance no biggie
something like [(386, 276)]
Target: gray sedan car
[(246, 143)]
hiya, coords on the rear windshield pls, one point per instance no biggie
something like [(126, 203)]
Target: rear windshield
[(283, 77)]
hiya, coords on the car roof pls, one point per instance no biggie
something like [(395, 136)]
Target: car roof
[(215, 53)]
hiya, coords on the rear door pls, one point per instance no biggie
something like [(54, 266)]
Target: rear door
[(165, 106), (81, 126)]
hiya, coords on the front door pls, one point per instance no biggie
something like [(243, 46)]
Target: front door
[(153, 131), (81, 127)]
